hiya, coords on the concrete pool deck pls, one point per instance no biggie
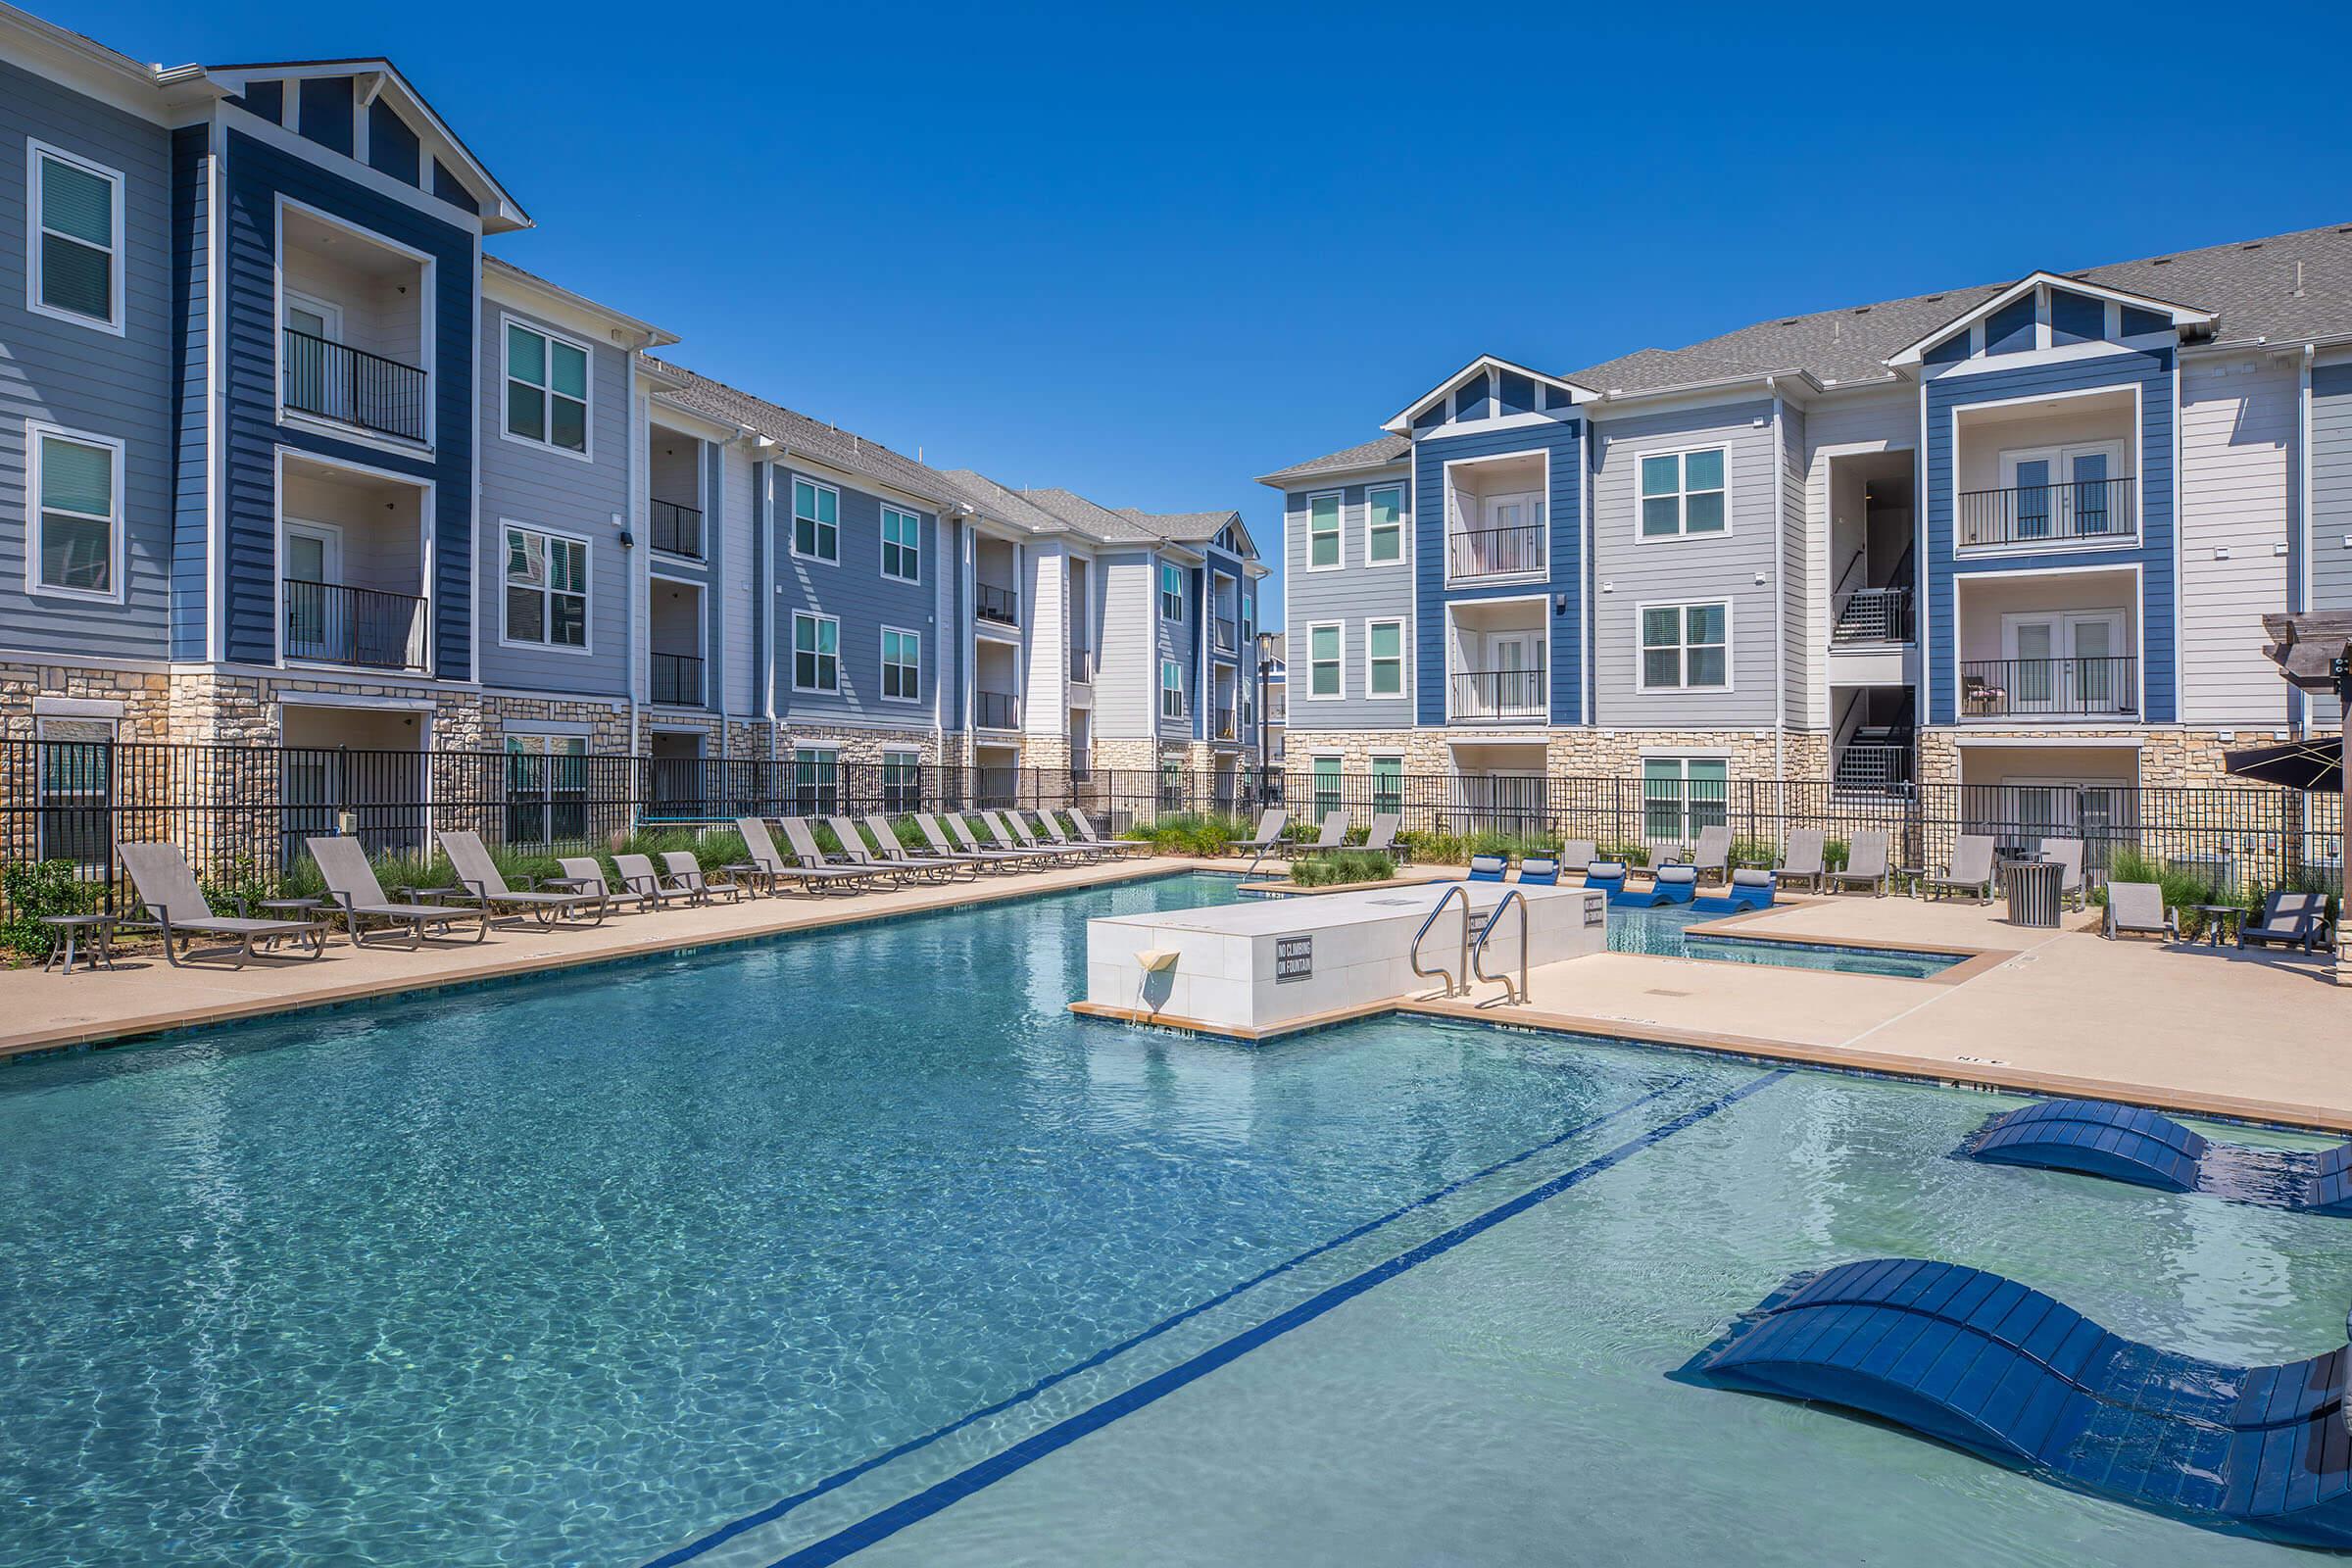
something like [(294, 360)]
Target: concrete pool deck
[(2184, 1026)]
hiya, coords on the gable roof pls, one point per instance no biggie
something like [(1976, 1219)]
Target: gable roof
[(500, 210), (1485, 362), (1376, 454), (2179, 316)]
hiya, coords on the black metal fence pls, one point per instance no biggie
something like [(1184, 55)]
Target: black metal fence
[(241, 814)]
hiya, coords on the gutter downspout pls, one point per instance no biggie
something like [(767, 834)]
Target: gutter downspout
[(1780, 606), (2303, 540)]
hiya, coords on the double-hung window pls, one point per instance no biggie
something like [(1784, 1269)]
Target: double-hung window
[(902, 666), (902, 545), (1171, 591), (1383, 644), (1327, 785), (816, 653), (815, 780), (815, 520), (1172, 689), (902, 781), (1682, 795), (75, 240), (547, 389), (1322, 532), (1682, 492), (1384, 524), (1323, 661), (77, 486), (1686, 646), (546, 589), (1388, 783), (546, 788)]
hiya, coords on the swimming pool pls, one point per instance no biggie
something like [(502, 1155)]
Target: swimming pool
[(1663, 929), (856, 1242)]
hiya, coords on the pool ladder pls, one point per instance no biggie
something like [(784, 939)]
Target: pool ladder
[(1455, 985), (1513, 994)]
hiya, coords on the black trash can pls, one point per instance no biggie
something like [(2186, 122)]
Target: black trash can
[(2033, 890)]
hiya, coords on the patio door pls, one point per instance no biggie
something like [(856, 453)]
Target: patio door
[(2062, 492), (1517, 658), (2067, 663), (1513, 528), (315, 615), (318, 378)]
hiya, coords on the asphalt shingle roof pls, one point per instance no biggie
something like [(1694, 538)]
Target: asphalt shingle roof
[(1387, 449)]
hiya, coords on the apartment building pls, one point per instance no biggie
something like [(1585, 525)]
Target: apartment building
[(2016, 534), (288, 458)]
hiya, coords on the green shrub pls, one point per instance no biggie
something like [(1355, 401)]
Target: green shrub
[(1343, 866), (1629, 851), (31, 888), (1835, 853), (1201, 834), (1456, 849)]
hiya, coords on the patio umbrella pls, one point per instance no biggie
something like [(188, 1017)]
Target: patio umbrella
[(2303, 766)]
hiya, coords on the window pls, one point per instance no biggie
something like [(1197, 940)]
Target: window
[(1384, 524), (73, 259), (815, 520), (547, 389), (1388, 783), (901, 782), (1171, 784), (1172, 689), (815, 780), (902, 666), (1384, 641), (1171, 591), (1680, 796), (816, 653), (77, 818), (902, 545), (546, 589), (1683, 647), (1327, 786), (77, 487), (1322, 532), (1682, 492), (1248, 615), (546, 788), (1323, 661)]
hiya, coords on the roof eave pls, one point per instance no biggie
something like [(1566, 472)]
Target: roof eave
[(2184, 316)]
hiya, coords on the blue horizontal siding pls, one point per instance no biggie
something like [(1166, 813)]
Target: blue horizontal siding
[(864, 601), (191, 390)]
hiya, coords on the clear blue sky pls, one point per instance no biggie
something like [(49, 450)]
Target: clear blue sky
[(1150, 256)]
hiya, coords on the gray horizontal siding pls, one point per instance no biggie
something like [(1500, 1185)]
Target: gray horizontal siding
[(1354, 595), (83, 378), (537, 487), (1630, 574), (2331, 504)]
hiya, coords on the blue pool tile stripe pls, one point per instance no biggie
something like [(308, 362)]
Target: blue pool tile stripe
[(779, 1509), (932, 1499)]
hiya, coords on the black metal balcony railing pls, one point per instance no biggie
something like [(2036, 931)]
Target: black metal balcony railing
[(1501, 694), (336, 625), (1000, 604), (996, 711), (1228, 635), (677, 529), (677, 679), (351, 386), (2047, 513), (1874, 616), (1494, 552), (1082, 666), (2049, 688)]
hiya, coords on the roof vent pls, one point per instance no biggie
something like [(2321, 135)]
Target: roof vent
[(2160, 261), (1861, 310), (1935, 299), (1790, 321), (2251, 245)]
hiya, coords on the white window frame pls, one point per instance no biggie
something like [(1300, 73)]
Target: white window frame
[(1405, 547), (118, 562), (1168, 666), (1404, 680), (1683, 645), (907, 756), (505, 635), (1687, 831), (792, 536), (1341, 628), (882, 647), (117, 325), (1372, 776), (1682, 495), (884, 544), (1167, 593), (1339, 530), (819, 618), (507, 321), (1449, 488)]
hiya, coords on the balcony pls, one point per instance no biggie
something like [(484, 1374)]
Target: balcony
[(330, 381), (996, 711), (2078, 512), (1501, 696), (1082, 666), (678, 681), (677, 529), (2105, 688), (1494, 552), (1225, 730), (1000, 604), (336, 625), (1228, 634)]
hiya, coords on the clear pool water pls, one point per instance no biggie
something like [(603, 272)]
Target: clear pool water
[(858, 1245), (1661, 929)]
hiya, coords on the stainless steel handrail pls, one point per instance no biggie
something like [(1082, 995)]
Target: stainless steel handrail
[(1454, 986), (1515, 996)]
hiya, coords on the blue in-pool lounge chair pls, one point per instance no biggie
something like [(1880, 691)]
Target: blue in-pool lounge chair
[(1538, 871), (1488, 868), (1749, 889), (1669, 884), (1607, 875)]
